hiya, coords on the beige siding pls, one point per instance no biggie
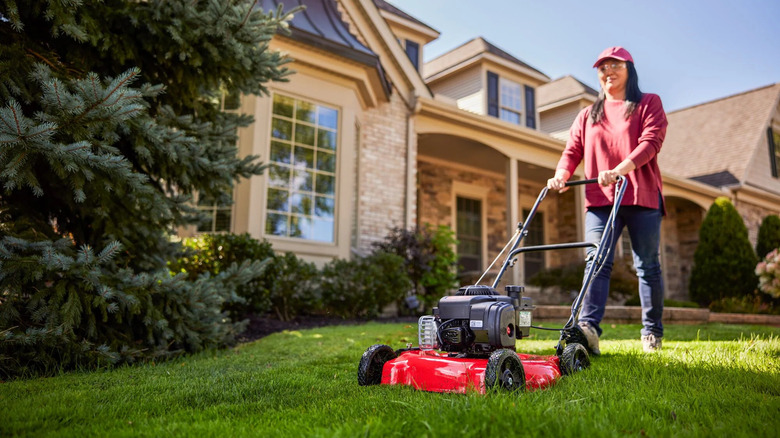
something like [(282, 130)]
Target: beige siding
[(474, 103), (759, 171), (465, 86), (557, 121)]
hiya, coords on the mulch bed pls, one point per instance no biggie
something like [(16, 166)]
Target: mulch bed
[(264, 325)]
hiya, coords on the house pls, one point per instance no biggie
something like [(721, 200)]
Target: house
[(732, 143), (363, 138)]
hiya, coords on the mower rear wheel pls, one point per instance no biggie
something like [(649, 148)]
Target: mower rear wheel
[(372, 363), (574, 358), (504, 371)]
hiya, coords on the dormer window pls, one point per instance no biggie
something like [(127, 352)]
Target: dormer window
[(511, 101)]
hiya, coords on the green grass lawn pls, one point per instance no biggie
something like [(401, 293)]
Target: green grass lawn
[(710, 380)]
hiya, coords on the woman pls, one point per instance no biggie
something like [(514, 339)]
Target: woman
[(620, 135)]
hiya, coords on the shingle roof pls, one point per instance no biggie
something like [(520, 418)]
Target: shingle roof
[(320, 25), (562, 89), (469, 50), (714, 141), (382, 4)]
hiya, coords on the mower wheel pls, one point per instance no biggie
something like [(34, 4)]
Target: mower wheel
[(372, 363), (574, 358), (504, 371)]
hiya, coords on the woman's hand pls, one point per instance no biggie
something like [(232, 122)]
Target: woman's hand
[(558, 182), (607, 177)]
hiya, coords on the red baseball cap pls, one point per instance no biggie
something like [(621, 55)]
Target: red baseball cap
[(616, 52)]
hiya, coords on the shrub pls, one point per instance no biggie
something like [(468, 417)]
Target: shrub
[(214, 253), (63, 307), (291, 284), (724, 261), (768, 235), (361, 288), (753, 303), (429, 258)]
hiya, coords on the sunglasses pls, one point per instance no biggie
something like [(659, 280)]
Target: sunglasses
[(611, 66)]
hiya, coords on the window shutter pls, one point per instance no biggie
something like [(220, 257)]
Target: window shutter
[(492, 98), (772, 151), (413, 52), (530, 107)]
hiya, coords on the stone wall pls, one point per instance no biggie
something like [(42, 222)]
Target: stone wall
[(435, 198), (752, 215), (382, 157), (680, 236)]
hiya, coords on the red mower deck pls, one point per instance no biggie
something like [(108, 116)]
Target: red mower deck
[(438, 372)]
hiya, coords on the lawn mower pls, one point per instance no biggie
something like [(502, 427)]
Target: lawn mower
[(469, 342)]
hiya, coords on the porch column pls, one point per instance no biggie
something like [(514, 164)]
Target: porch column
[(513, 216), (579, 204)]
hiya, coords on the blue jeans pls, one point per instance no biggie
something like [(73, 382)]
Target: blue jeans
[(644, 227)]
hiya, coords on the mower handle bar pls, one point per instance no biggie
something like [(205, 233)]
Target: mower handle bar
[(523, 227), (581, 182)]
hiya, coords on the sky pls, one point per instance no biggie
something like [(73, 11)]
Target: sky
[(686, 51)]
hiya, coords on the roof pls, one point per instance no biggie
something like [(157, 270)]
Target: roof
[(713, 142), (470, 50), (562, 89), (385, 6), (320, 25)]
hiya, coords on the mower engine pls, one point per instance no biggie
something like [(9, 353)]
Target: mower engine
[(477, 321)]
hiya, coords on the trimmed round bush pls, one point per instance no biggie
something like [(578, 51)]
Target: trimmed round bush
[(768, 235), (724, 261)]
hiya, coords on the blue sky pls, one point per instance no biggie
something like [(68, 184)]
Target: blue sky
[(687, 51)]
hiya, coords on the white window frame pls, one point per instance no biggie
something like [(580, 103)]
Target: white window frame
[(504, 105), (336, 173)]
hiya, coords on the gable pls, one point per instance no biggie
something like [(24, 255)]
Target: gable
[(719, 136)]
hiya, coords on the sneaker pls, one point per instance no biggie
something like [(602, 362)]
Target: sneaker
[(592, 336), (650, 343)]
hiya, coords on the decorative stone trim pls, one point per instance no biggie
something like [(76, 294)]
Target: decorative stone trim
[(673, 315)]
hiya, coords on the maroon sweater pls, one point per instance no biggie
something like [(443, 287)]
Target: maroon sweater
[(615, 138)]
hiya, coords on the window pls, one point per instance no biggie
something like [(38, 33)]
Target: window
[(469, 234), (530, 107), (773, 138), (219, 215), (510, 101), (505, 101), (533, 262), (413, 52), (301, 199)]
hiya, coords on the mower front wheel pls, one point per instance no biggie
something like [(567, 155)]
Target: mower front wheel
[(372, 363), (504, 371), (574, 358)]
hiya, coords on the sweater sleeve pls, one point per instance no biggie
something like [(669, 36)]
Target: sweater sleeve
[(653, 131), (575, 146)]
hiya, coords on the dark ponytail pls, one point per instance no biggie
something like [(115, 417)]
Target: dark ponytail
[(633, 97)]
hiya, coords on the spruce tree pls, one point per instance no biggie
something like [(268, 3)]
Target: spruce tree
[(768, 235), (724, 262), (110, 121)]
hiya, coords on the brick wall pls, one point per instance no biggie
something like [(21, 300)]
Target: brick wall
[(381, 192)]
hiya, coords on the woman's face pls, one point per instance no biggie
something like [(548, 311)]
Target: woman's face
[(613, 76)]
